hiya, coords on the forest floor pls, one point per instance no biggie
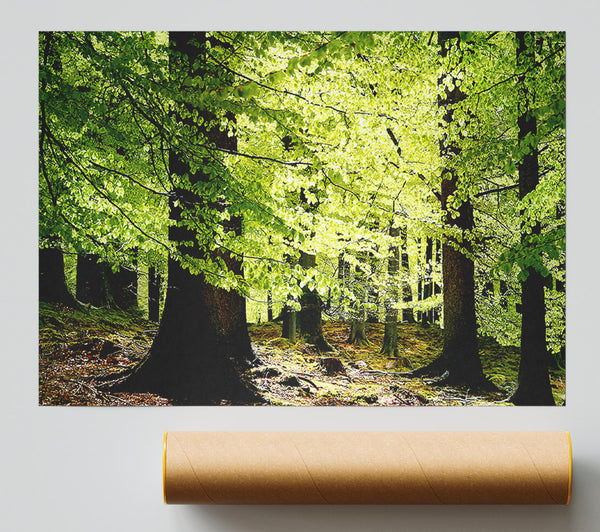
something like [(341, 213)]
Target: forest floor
[(78, 348)]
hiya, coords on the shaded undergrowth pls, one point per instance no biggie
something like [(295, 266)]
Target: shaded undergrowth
[(79, 348)]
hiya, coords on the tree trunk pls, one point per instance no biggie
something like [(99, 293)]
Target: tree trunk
[(99, 286), (428, 315), (534, 382), (122, 287), (460, 355), (202, 332), (358, 334), (91, 285), (203, 338), (372, 291), (52, 281), (358, 314), (311, 326), (389, 346), (269, 307), (154, 282), (51, 269), (459, 362), (288, 324), (407, 313), (289, 317), (390, 333)]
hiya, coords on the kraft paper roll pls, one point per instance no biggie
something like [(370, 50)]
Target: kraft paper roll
[(367, 467)]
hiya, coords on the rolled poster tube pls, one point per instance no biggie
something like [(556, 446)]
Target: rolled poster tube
[(367, 467)]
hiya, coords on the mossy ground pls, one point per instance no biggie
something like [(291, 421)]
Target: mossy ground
[(373, 379), (78, 348)]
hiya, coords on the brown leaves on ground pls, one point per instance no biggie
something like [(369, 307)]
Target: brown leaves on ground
[(78, 349)]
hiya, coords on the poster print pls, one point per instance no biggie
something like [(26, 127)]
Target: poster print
[(302, 218)]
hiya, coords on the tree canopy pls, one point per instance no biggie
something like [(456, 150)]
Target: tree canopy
[(336, 150)]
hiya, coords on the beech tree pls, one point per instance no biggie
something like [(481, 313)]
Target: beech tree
[(390, 336), (459, 361), (52, 282), (534, 383), (98, 285), (202, 341)]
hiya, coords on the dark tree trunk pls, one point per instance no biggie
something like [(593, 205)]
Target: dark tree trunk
[(343, 275), (269, 306), (203, 338), (52, 281), (154, 283), (407, 313), (534, 382), (390, 333), (201, 334), (289, 317), (427, 315), (460, 355), (122, 286), (373, 292), (428, 286), (99, 286), (503, 294), (429, 251), (91, 286), (459, 362), (437, 289), (311, 326), (488, 288), (421, 315), (51, 269), (558, 361)]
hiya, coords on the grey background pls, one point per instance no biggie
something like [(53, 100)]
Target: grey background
[(99, 469)]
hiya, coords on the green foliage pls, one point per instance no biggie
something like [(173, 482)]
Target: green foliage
[(336, 134)]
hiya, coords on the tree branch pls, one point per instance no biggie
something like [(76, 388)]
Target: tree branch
[(112, 170), (101, 192), (538, 63), (499, 189)]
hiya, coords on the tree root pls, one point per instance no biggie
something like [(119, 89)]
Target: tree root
[(321, 344), (95, 390), (305, 379), (519, 397), (389, 351), (360, 342), (441, 376), (447, 379), (432, 370)]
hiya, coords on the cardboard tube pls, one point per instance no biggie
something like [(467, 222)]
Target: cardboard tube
[(367, 467)]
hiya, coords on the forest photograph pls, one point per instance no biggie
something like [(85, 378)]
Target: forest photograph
[(302, 218)]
